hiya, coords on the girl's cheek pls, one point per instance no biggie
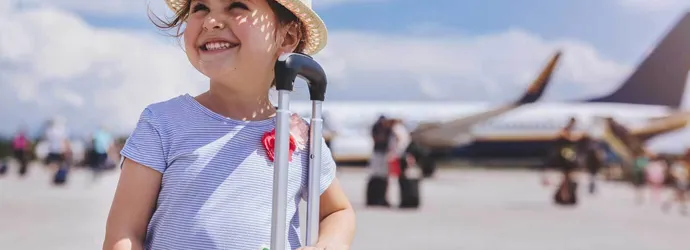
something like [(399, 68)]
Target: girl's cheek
[(258, 38)]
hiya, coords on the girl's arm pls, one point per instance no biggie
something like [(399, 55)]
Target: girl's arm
[(337, 227), (133, 205)]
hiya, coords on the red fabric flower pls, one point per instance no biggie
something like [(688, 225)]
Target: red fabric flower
[(269, 141)]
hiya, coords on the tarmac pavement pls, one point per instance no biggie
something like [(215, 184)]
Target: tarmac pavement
[(462, 209)]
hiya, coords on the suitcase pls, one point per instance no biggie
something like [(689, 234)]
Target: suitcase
[(3, 167), (60, 176), (571, 191), (409, 181), (409, 193), (287, 68), (377, 187)]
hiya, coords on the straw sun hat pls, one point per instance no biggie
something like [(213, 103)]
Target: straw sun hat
[(317, 34)]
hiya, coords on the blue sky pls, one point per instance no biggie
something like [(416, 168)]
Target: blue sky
[(617, 31), (85, 58)]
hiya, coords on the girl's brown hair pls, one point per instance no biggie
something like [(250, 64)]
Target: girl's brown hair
[(283, 15)]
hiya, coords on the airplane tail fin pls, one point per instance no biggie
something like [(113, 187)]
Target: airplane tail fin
[(661, 77), (536, 89)]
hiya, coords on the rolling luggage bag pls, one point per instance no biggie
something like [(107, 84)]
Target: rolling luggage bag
[(3, 167), (287, 68), (377, 187), (566, 194), (409, 181), (61, 175)]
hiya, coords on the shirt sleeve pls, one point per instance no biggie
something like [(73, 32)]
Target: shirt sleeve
[(328, 170), (144, 145)]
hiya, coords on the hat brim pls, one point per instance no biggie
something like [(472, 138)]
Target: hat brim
[(317, 34)]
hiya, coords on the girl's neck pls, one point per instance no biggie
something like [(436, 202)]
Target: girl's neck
[(237, 105)]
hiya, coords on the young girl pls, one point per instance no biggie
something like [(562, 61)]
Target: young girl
[(196, 173)]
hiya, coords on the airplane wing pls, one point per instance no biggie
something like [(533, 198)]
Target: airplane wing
[(457, 132), (659, 126)]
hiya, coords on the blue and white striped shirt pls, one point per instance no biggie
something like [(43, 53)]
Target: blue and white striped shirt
[(216, 191)]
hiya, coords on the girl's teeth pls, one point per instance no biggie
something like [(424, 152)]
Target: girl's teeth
[(216, 46)]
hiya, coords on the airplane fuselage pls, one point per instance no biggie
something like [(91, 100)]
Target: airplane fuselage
[(523, 132)]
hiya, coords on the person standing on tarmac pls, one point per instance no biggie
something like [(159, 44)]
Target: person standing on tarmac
[(59, 150), (377, 185), (102, 144), (566, 161), (593, 159), (20, 147), (638, 173), (400, 152)]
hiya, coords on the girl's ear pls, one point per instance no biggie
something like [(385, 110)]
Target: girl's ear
[(290, 36)]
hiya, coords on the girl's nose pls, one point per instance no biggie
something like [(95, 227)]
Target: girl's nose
[(212, 23)]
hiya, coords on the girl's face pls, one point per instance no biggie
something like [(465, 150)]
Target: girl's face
[(232, 41)]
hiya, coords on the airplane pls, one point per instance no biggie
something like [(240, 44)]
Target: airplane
[(352, 143), (647, 103), (654, 90)]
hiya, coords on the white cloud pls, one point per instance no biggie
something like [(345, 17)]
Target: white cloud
[(506, 61), (53, 63)]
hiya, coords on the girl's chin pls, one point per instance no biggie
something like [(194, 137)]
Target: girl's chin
[(215, 70)]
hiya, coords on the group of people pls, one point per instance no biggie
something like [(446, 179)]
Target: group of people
[(393, 154), (656, 172), (572, 152), (59, 157), (57, 145)]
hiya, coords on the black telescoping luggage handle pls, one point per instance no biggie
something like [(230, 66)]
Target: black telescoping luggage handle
[(292, 65)]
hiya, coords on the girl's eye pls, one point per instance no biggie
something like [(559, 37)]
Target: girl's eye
[(240, 5), (199, 7)]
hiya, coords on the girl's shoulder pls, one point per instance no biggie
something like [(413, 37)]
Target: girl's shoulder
[(173, 113), (168, 108)]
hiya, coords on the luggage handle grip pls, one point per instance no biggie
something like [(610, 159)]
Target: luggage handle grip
[(291, 65)]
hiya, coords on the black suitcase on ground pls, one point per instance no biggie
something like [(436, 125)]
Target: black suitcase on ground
[(3, 168), (377, 188), (409, 180), (409, 193)]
